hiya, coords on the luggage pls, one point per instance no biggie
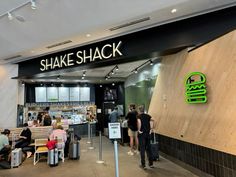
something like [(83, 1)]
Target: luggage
[(16, 157), (53, 157), (74, 150), (5, 165), (154, 148)]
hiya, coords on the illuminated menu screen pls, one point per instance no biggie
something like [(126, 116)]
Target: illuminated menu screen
[(64, 94), (52, 94), (84, 94), (74, 93), (40, 94)]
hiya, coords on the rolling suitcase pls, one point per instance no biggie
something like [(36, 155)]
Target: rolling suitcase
[(53, 157), (16, 157), (74, 150), (154, 148)]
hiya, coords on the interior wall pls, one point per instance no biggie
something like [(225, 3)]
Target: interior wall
[(139, 87), (212, 124), (8, 95)]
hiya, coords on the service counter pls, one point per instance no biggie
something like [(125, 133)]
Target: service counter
[(81, 129)]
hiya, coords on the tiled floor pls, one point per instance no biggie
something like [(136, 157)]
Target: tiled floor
[(87, 166)]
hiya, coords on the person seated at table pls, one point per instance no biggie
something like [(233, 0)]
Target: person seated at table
[(5, 148), (24, 138)]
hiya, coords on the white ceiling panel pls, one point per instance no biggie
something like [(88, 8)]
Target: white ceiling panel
[(58, 20)]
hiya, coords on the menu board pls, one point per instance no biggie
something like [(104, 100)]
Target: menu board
[(84, 94), (52, 94), (40, 94), (64, 94), (74, 94)]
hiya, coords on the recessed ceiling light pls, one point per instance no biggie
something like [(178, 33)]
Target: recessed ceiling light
[(33, 5), (173, 11), (32, 51), (88, 35), (9, 15), (117, 68)]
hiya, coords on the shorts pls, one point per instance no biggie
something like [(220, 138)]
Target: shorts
[(132, 133)]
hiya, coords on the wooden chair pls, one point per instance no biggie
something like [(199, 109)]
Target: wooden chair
[(40, 147)]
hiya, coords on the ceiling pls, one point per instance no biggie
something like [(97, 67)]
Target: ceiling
[(71, 23)]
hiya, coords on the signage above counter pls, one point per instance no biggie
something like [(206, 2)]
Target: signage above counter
[(79, 57), (145, 44)]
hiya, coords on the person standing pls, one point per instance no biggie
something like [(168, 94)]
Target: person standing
[(145, 125), (114, 116), (132, 129)]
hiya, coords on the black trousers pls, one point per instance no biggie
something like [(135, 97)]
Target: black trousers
[(21, 143), (144, 144), (5, 151)]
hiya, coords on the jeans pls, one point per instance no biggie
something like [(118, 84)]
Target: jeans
[(144, 144)]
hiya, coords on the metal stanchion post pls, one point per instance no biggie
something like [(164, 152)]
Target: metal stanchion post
[(100, 161), (91, 139), (116, 158), (89, 136)]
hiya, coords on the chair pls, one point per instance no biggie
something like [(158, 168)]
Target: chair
[(40, 147)]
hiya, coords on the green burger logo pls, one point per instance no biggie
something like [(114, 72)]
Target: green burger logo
[(195, 88)]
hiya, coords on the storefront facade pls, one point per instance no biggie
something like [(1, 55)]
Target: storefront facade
[(195, 134)]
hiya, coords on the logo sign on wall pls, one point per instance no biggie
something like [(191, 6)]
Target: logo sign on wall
[(195, 88), (79, 57)]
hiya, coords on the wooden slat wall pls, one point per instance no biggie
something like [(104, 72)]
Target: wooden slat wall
[(212, 124)]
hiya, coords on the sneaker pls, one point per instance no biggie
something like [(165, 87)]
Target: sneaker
[(136, 152), (143, 167), (130, 153), (151, 166)]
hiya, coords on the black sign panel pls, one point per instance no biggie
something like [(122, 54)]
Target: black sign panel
[(161, 40)]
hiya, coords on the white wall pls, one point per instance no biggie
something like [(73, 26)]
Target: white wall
[(8, 95)]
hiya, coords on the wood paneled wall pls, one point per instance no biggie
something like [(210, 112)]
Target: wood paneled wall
[(212, 124)]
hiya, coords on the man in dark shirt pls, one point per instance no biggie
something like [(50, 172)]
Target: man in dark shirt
[(132, 129), (145, 125), (24, 138)]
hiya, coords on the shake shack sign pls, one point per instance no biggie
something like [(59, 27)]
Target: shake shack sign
[(107, 51)]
